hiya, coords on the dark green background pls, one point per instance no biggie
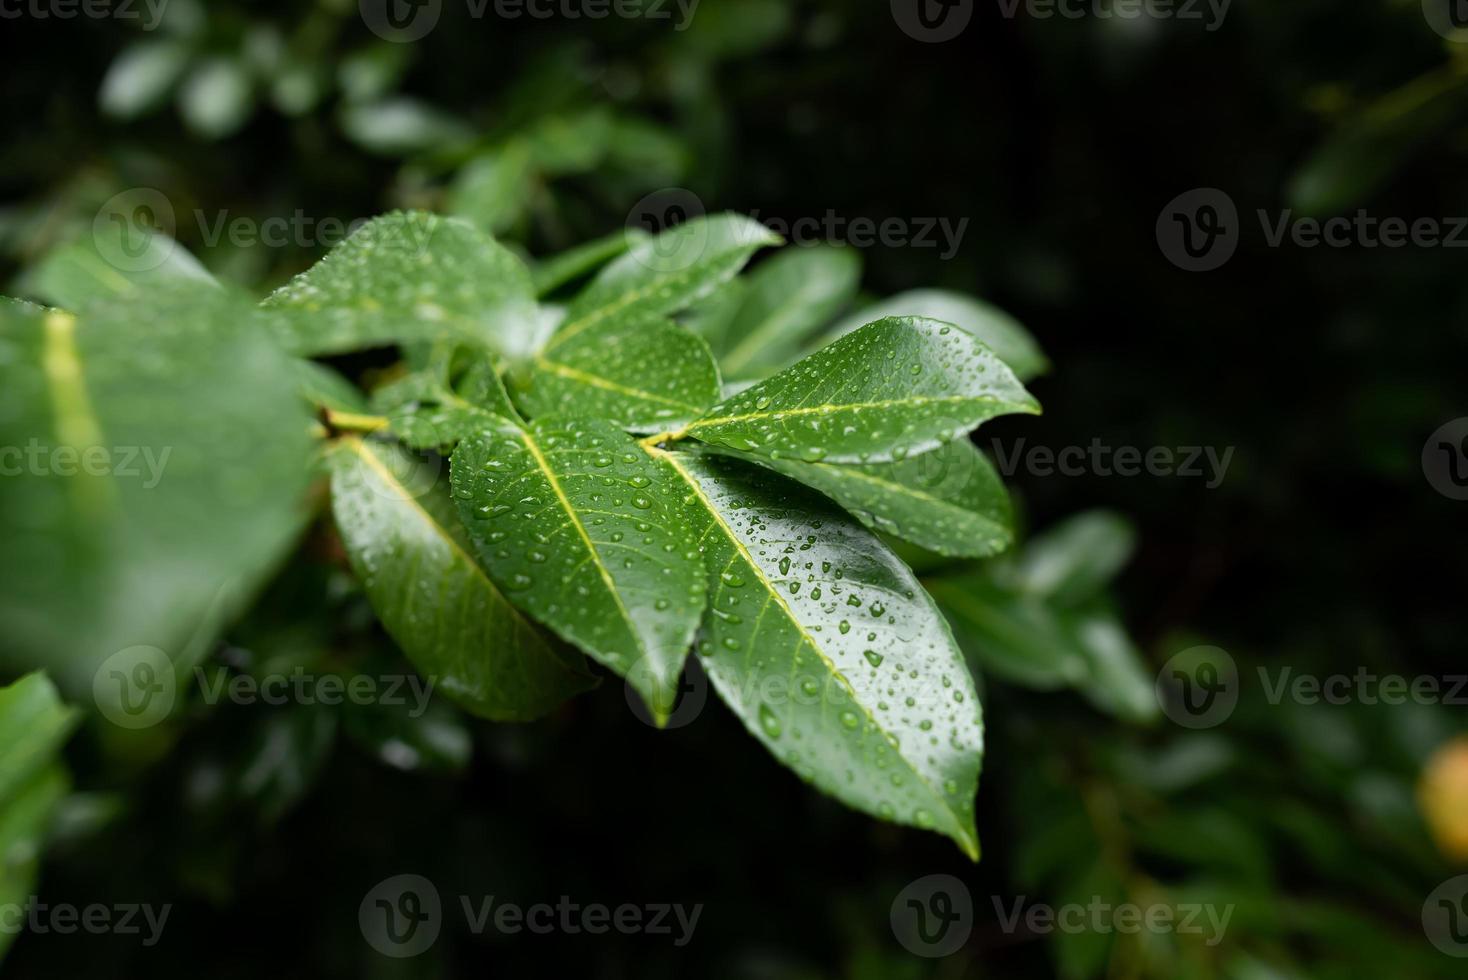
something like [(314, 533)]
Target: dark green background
[(1060, 141)]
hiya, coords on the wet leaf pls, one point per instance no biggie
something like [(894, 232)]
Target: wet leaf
[(827, 648), (579, 527), (407, 546), (409, 276), (949, 501), (895, 388)]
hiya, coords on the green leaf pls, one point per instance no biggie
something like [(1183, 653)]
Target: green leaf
[(655, 154), (1118, 680), (646, 376), (400, 125), (991, 325), (1017, 638), (788, 297), (493, 189), (164, 454), (570, 143), (428, 412), (949, 500), (1375, 143), (830, 652), (894, 388), (140, 78), (558, 270), (407, 546), (34, 724), (25, 818), (324, 387), (663, 274), (97, 270), (217, 97), (410, 276), (1072, 561), (578, 526), (711, 317)]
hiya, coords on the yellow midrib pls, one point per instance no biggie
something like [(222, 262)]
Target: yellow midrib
[(970, 845), (566, 505), (832, 409), (76, 421), (597, 381)]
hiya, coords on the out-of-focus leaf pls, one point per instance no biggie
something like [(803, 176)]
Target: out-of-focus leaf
[(400, 125), (169, 464), (558, 270), (997, 329), (1073, 560), (409, 276), (788, 297), (140, 78), (1369, 148), (493, 189), (665, 273), (85, 272), (217, 97)]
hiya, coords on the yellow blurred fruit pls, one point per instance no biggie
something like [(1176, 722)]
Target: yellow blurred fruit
[(1442, 793)]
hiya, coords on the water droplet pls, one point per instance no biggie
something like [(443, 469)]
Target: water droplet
[(873, 657), (768, 722)]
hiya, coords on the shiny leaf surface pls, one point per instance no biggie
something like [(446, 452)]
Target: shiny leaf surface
[(892, 389), (830, 652), (407, 546), (409, 276), (949, 501), (579, 527)]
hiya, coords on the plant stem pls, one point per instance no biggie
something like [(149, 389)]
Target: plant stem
[(353, 422)]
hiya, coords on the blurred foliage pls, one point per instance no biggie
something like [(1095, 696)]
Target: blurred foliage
[(1324, 826)]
